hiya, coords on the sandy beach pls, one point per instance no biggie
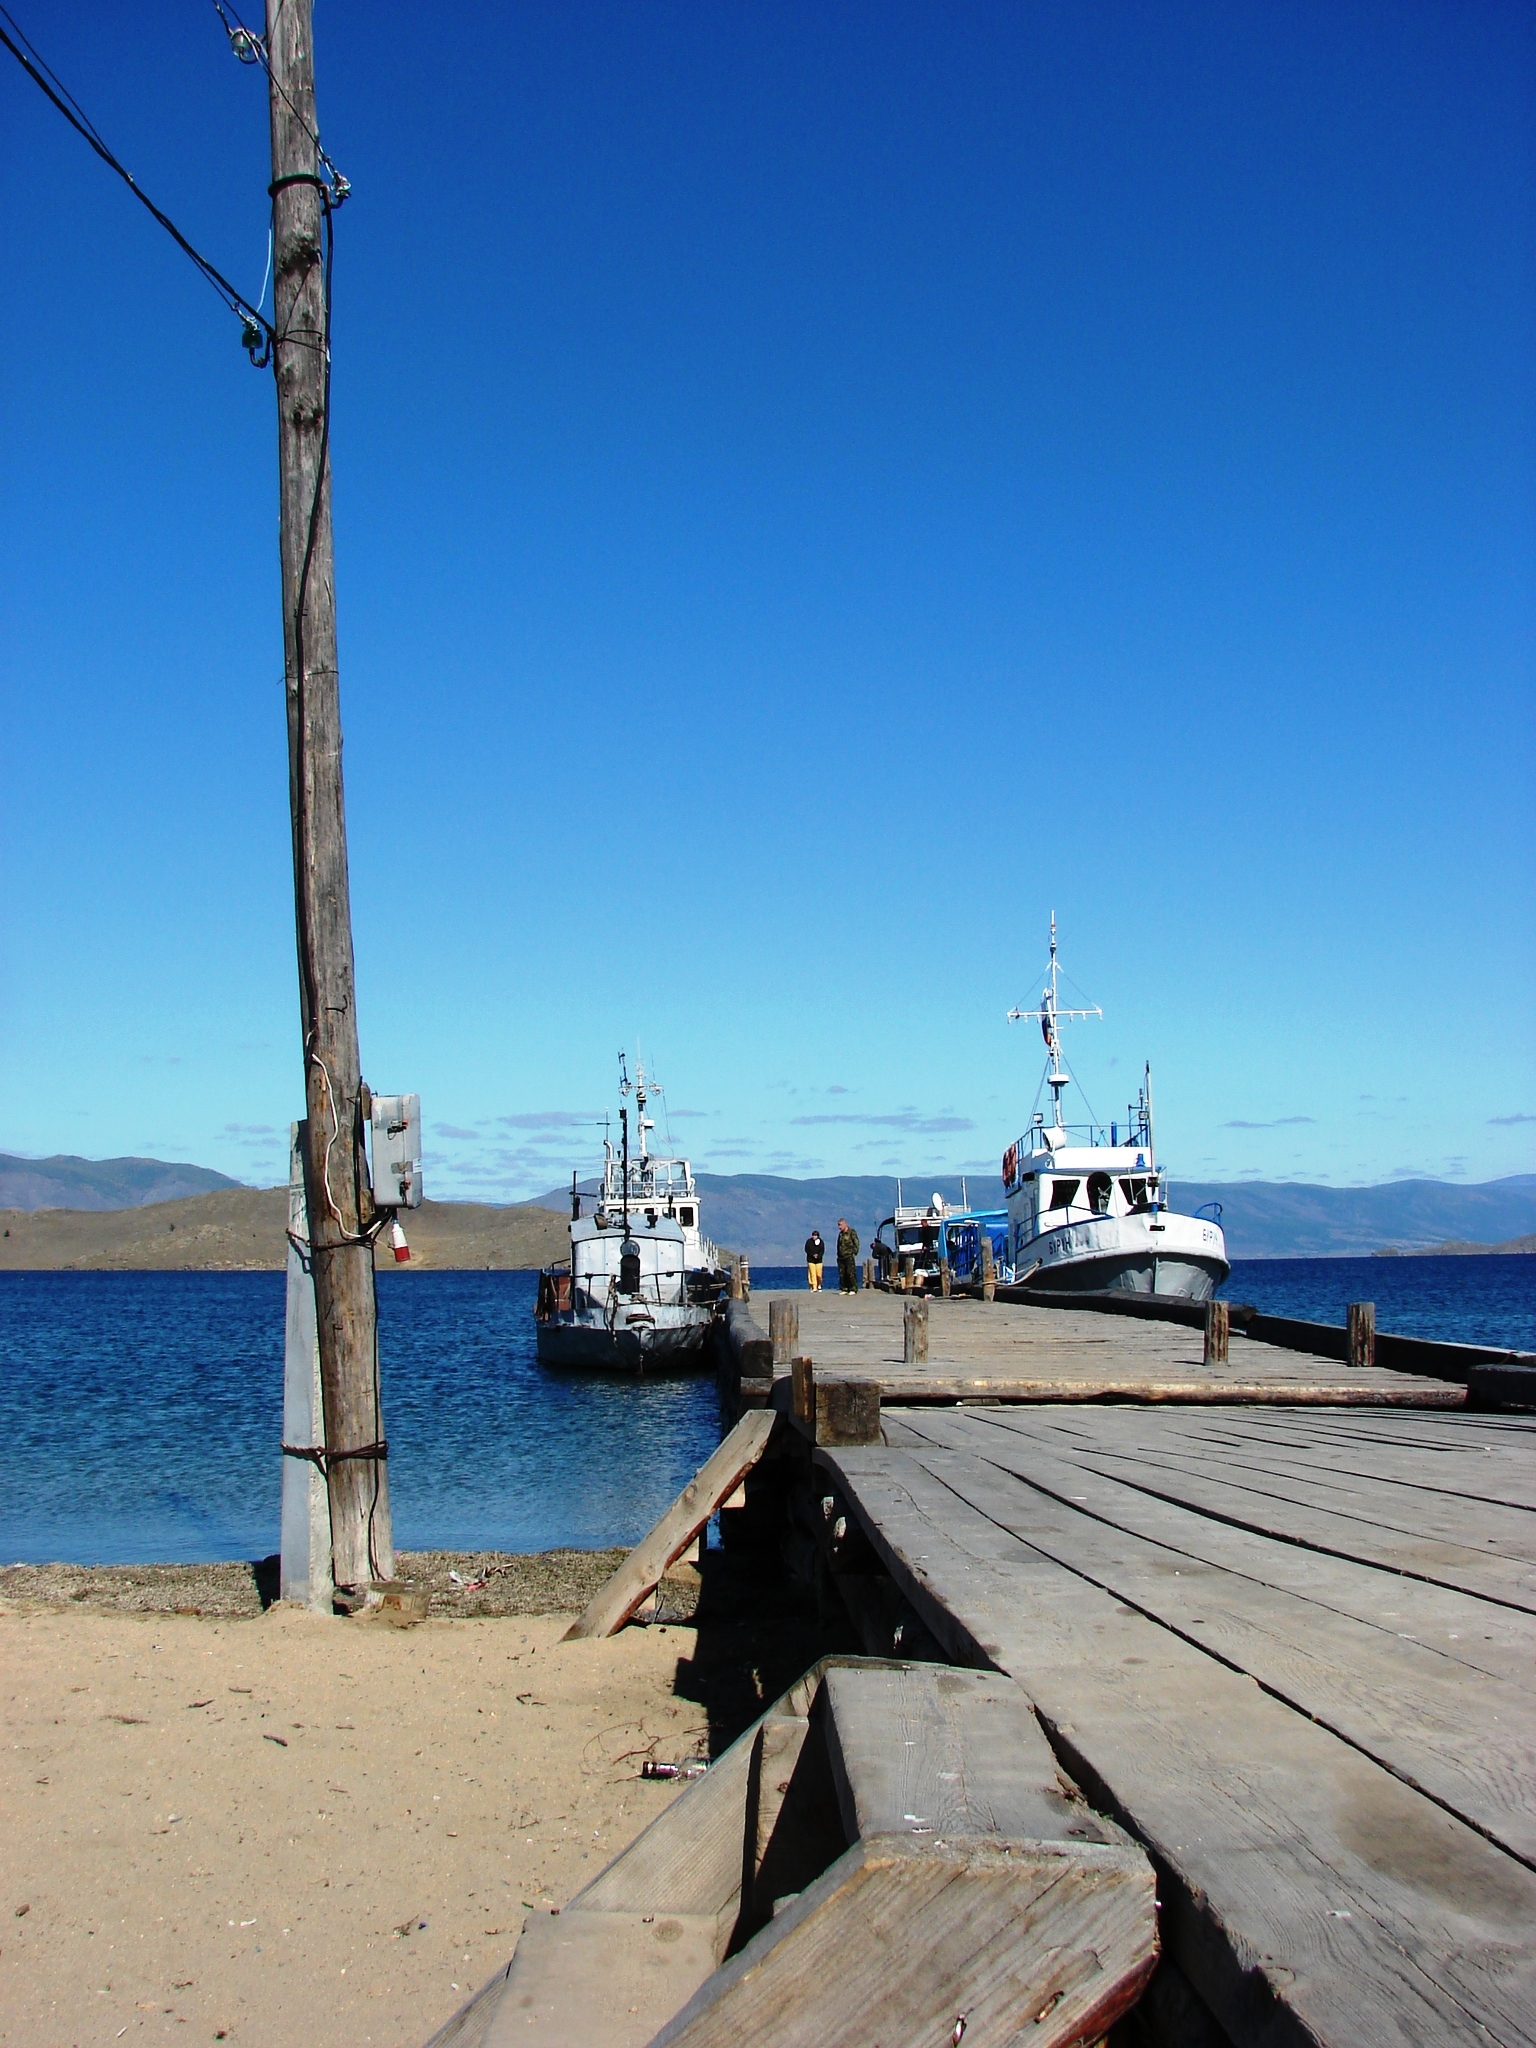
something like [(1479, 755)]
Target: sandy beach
[(286, 1828)]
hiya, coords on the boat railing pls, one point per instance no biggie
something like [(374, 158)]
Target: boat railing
[(1209, 1212), (1093, 1136)]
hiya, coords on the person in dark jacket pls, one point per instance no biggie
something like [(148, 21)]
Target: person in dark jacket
[(847, 1257), (815, 1256)]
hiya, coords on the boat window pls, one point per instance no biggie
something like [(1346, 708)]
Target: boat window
[(1135, 1192), (1064, 1193), (1099, 1185), (685, 1217)]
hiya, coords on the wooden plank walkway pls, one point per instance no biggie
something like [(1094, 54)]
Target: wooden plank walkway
[(1012, 1352), (1293, 1650)]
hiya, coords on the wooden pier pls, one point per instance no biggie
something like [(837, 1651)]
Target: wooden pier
[(1274, 1616), (1007, 1351)]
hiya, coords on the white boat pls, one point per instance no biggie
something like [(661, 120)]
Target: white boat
[(1087, 1213), (643, 1285)]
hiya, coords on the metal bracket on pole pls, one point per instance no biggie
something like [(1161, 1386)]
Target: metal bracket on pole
[(305, 1575)]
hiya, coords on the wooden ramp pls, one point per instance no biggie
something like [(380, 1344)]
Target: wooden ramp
[(641, 1572), (1011, 1351), (1293, 1651), (890, 1854)]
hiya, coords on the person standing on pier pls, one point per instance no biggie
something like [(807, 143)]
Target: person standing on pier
[(847, 1257), (815, 1256)]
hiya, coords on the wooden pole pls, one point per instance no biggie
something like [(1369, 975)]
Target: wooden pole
[(802, 1390), (914, 1333), (1361, 1343), (783, 1330), (986, 1265), (1218, 1322), (339, 1200)]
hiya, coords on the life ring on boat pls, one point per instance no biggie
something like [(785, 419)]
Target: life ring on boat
[(1010, 1166)]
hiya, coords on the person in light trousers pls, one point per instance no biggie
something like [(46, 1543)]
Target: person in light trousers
[(815, 1256)]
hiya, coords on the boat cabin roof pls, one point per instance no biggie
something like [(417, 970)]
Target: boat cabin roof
[(1086, 1159)]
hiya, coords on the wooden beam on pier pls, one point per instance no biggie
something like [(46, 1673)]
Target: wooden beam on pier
[(641, 1572), (1260, 1639), (891, 1839)]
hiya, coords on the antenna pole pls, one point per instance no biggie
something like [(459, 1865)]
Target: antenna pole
[(339, 1198)]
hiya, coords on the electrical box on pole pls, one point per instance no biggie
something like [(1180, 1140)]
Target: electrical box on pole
[(395, 1123)]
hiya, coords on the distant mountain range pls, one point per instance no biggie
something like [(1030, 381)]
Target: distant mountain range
[(770, 1217), (65, 1182)]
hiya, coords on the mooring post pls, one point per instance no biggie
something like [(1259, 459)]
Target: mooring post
[(784, 1330), (304, 1571), (746, 1277), (738, 1291), (944, 1281), (1360, 1345), (802, 1391), (908, 1268), (914, 1333), (869, 1273), (1218, 1322), (988, 1266)]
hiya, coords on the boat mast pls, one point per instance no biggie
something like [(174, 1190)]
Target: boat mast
[(1048, 1017), (625, 1088)]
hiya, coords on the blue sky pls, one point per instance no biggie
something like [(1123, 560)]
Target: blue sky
[(816, 489)]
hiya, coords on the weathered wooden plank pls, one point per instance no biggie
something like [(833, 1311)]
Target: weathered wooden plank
[(1471, 1471), (1449, 1444), (1402, 1703), (900, 1385), (1459, 1628), (467, 2027), (586, 1979), (1387, 1499), (924, 1749), (901, 1939), (718, 1477), (847, 1411), (689, 1858), (1281, 1510), (1142, 1453), (1308, 1894)]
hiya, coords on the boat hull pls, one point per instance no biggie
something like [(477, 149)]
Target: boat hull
[(587, 1344), (1181, 1256)]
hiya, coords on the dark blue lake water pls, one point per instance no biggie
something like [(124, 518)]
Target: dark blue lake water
[(140, 1413)]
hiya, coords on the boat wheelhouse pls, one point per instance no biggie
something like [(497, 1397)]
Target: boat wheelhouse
[(1088, 1213)]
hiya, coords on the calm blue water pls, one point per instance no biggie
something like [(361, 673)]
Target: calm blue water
[(140, 1415), (140, 1412), (1463, 1301)]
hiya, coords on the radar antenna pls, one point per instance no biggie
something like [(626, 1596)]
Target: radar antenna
[(1049, 1016)]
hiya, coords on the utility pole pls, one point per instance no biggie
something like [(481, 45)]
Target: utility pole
[(340, 1201)]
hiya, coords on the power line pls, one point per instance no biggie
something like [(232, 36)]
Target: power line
[(251, 48), (257, 332)]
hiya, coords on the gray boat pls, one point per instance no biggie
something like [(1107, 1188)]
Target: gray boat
[(642, 1286)]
